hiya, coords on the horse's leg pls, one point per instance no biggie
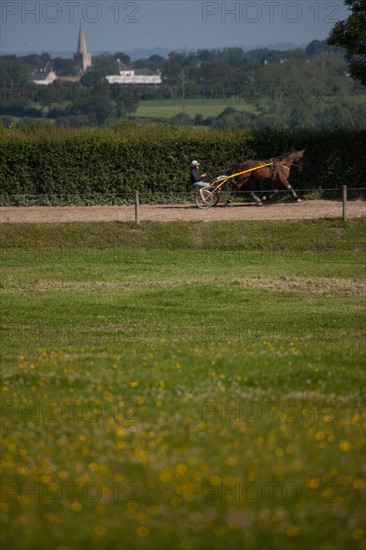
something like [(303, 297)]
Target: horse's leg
[(275, 191), (256, 198), (282, 178), (230, 190), (233, 190), (290, 188), (253, 181), (230, 198)]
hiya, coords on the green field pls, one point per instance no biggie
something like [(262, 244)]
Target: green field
[(183, 385), (166, 108)]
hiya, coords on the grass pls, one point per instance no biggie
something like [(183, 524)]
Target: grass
[(183, 385), (167, 108)]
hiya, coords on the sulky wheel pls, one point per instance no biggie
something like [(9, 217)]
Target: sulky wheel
[(215, 199), (204, 199)]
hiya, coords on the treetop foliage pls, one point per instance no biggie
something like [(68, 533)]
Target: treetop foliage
[(293, 88), (351, 35)]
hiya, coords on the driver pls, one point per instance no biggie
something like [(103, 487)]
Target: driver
[(196, 177)]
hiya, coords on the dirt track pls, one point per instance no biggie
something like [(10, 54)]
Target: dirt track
[(185, 212)]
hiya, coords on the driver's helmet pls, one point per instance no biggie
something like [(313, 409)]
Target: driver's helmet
[(195, 163)]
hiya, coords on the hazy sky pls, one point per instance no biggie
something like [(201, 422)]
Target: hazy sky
[(113, 25)]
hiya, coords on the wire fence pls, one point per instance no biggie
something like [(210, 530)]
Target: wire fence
[(174, 197)]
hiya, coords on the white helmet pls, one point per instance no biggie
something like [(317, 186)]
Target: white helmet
[(195, 163)]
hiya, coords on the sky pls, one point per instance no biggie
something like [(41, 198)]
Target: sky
[(113, 25)]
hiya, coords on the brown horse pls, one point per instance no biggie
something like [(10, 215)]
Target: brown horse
[(277, 172)]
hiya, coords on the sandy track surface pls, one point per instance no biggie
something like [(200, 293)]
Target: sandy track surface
[(181, 212)]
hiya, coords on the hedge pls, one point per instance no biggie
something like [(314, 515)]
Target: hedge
[(92, 165)]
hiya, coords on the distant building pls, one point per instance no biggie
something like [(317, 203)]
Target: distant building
[(82, 57), (83, 61), (45, 76), (134, 76), (72, 79)]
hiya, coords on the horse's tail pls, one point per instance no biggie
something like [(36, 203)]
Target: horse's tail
[(228, 171)]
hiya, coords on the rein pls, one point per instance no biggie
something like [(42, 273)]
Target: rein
[(249, 170)]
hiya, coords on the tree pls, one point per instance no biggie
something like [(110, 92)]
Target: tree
[(14, 72), (100, 103), (125, 98), (157, 62), (232, 119), (218, 71), (105, 64), (64, 67), (96, 104), (92, 78), (123, 57), (37, 61), (351, 35), (316, 47), (180, 119)]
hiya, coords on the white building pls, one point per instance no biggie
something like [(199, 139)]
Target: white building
[(45, 76), (134, 76)]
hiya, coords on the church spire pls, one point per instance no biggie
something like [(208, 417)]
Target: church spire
[(82, 56), (81, 48)]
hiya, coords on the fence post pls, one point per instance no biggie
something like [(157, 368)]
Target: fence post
[(344, 202), (137, 207)]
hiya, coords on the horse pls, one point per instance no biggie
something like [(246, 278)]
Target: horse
[(277, 171)]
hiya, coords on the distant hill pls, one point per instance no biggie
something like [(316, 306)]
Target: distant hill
[(146, 53), (163, 52)]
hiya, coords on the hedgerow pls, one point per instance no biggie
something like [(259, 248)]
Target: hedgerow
[(88, 166)]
